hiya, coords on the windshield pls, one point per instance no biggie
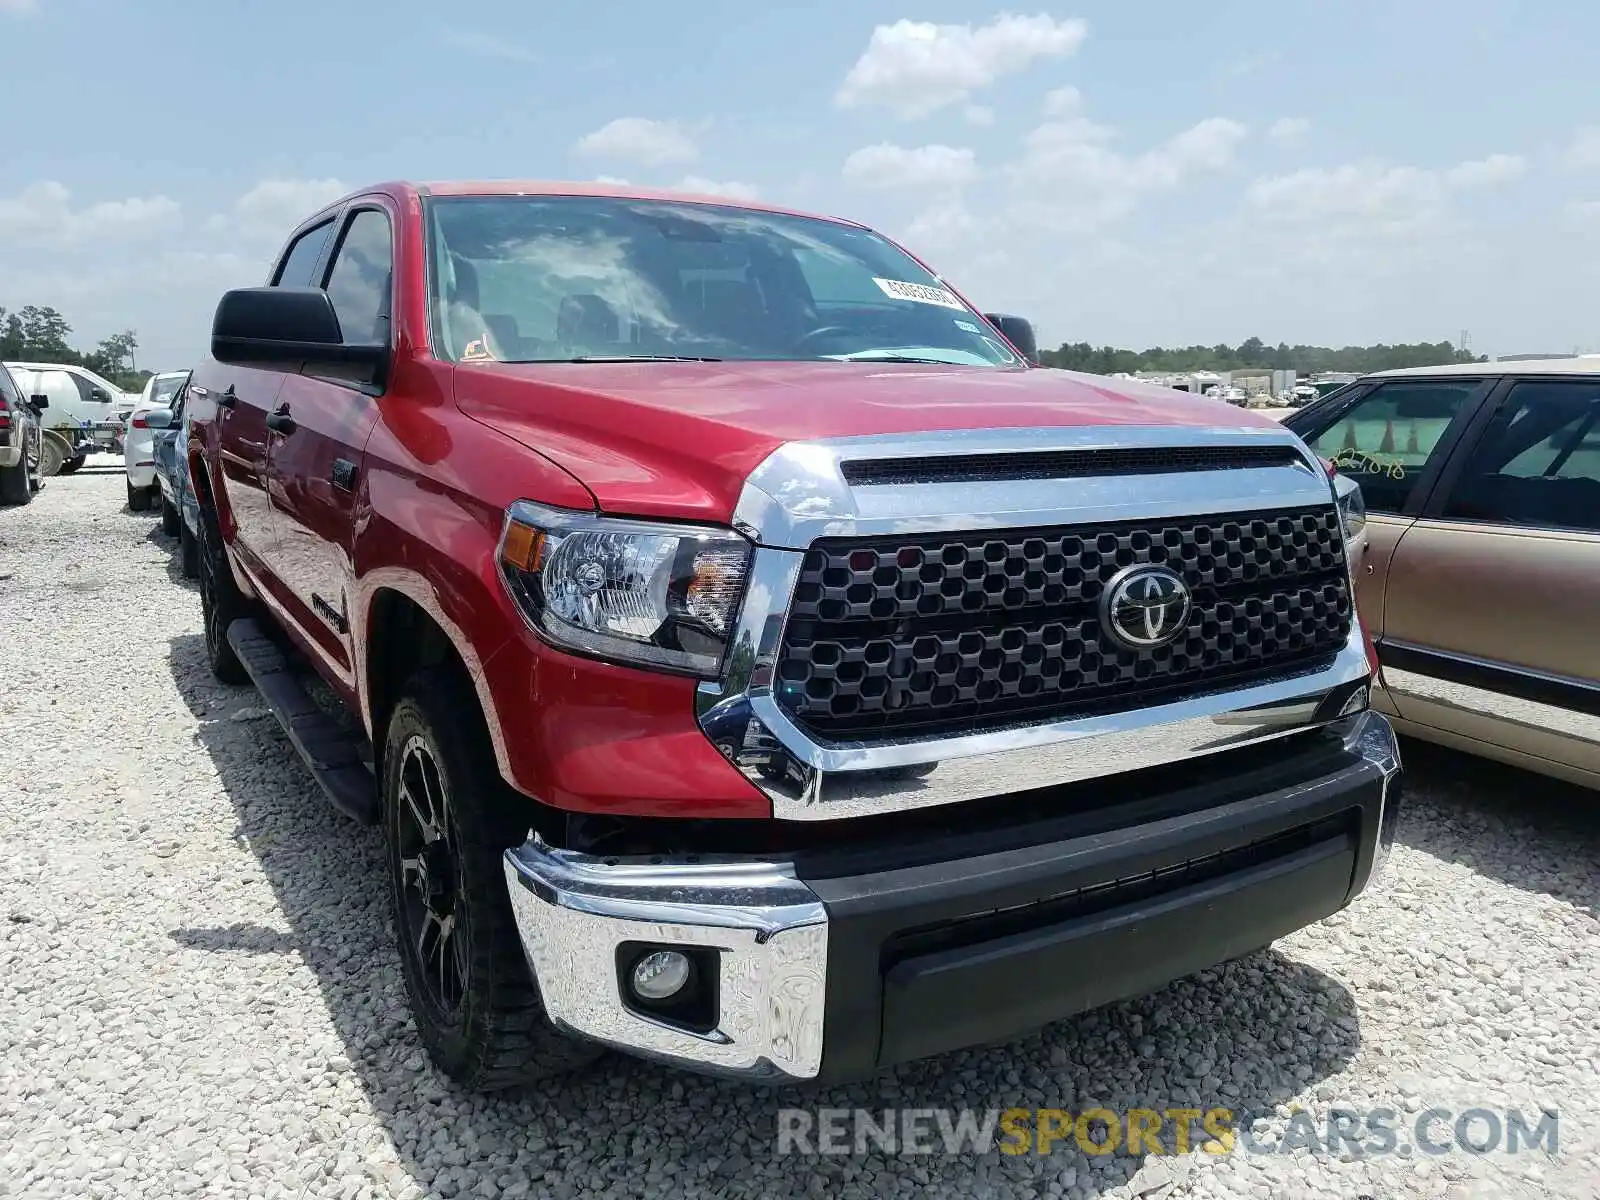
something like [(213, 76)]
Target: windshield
[(574, 278)]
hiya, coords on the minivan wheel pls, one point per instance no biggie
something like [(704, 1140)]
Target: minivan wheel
[(448, 820), (220, 602), (138, 498), (188, 552), (171, 519), (72, 464)]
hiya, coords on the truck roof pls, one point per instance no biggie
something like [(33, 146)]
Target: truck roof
[(1586, 365), (536, 187)]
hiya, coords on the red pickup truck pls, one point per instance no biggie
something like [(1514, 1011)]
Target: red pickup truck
[(754, 660)]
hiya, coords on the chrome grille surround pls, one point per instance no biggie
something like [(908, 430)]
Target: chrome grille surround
[(799, 495)]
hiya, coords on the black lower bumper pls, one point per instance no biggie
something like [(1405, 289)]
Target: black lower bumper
[(1073, 910)]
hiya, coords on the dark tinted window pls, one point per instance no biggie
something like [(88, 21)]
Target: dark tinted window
[(1385, 440), (1538, 462), (301, 260), (91, 392), (358, 285)]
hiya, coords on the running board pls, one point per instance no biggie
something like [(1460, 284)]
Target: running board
[(333, 756)]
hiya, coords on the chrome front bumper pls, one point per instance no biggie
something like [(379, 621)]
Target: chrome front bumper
[(770, 932)]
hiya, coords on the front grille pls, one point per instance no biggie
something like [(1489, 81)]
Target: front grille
[(939, 633)]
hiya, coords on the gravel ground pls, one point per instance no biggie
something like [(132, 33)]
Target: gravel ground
[(199, 996)]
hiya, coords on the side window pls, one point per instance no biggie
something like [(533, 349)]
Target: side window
[(359, 283), (1538, 462), (301, 260), (1384, 440), (92, 392)]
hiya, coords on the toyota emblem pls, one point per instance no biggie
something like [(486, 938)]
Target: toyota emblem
[(1145, 607)]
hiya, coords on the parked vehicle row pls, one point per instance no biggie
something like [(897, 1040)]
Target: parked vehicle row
[(139, 441)]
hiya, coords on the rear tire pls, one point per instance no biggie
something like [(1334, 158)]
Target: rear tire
[(138, 498), (15, 485), (171, 519), (188, 551), (72, 464), (221, 602), (448, 818)]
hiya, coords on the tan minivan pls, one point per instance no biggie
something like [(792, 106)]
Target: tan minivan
[(1482, 583)]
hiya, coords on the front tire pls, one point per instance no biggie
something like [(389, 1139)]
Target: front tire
[(448, 820), (138, 498), (171, 518), (72, 464), (221, 602)]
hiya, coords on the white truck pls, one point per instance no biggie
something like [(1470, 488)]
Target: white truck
[(86, 413)]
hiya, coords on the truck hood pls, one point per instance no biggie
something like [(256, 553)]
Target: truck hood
[(679, 439)]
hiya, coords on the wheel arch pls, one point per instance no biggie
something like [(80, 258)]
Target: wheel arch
[(404, 630)]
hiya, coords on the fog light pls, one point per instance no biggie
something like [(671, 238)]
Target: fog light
[(660, 975)]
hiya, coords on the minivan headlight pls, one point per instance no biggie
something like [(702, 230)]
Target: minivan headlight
[(645, 593)]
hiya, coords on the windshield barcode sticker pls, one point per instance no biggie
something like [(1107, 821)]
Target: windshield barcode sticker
[(919, 293)]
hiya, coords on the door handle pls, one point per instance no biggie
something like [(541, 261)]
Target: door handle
[(280, 421), (228, 398)]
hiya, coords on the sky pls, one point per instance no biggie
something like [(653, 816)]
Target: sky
[(1160, 173)]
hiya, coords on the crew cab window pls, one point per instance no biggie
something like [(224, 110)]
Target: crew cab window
[(89, 390), (1385, 440), (300, 263), (359, 282), (1538, 462)]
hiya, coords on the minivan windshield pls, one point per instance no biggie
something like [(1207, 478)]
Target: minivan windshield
[(165, 387), (585, 279)]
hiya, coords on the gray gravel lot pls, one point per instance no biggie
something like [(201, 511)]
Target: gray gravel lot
[(198, 996)]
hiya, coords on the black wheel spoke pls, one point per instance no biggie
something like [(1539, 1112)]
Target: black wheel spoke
[(428, 876)]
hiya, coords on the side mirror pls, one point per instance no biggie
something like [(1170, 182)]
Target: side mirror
[(38, 403), (99, 395), (158, 418), (1019, 332), (287, 327)]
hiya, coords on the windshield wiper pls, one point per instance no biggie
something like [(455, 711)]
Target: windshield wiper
[(897, 358), (624, 358)]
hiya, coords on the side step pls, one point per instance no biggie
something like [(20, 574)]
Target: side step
[(332, 754)]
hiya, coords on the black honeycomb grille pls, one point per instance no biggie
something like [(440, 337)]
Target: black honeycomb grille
[(931, 634)]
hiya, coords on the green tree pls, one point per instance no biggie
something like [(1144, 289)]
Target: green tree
[(1253, 352)]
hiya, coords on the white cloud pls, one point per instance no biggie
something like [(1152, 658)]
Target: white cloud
[(271, 209), (1583, 152), (44, 212), (1062, 101), (486, 45), (641, 140), (612, 180), (1291, 131), (1582, 215), (888, 166), (1485, 172), (1374, 200), (1071, 177), (980, 115), (712, 187), (917, 67)]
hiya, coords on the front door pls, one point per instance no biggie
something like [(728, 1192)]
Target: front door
[(315, 474)]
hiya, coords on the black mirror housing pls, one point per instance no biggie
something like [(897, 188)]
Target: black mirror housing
[(38, 403), (284, 327), (1019, 332)]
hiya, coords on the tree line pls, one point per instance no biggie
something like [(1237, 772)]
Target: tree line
[(1255, 354), (38, 333)]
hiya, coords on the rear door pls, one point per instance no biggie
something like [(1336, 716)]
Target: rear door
[(1392, 439), (316, 453), (1494, 595), (250, 395)]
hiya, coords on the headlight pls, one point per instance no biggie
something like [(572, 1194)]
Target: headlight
[(1352, 508), (639, 592)]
